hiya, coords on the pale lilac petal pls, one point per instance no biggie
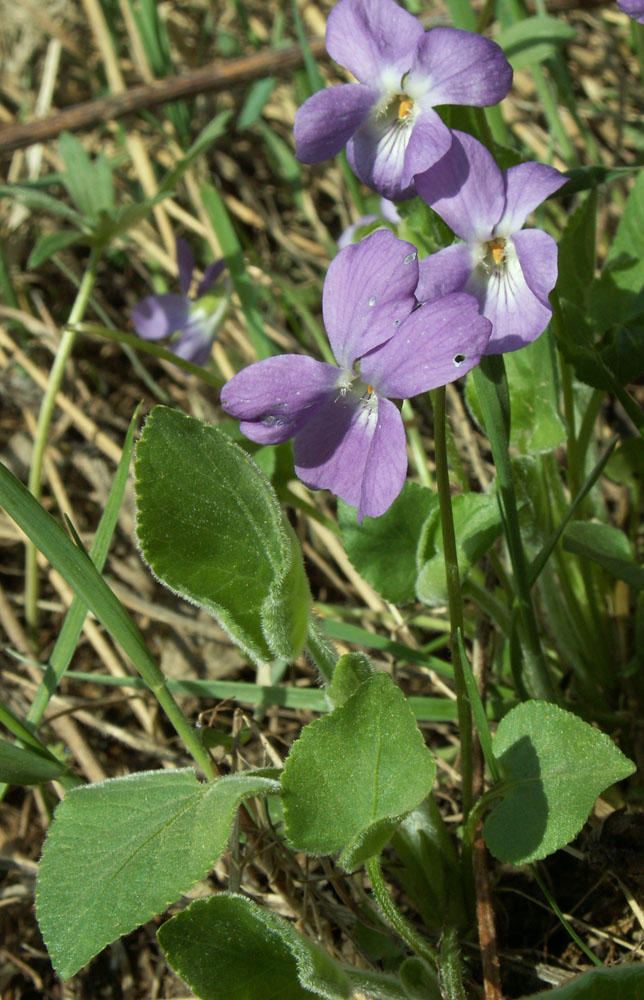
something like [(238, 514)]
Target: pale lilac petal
[(443, 272), (516, 314), (464, 68), (430, 140), (526, 186), (368, 36), (437, 344), (376, 153), (634, 8), (158, 316), (386, 465), (210, 276), (537, 253), (331, 451), (466, 188), (348, 236), (185, 264), (368, 292), (276, 397), (325, 122), (389, 211), (192, 345)]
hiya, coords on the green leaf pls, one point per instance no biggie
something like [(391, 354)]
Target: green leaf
[(477, 522), (39, 200), (89, 182), (625, 982), (608, 547), (350, 672), (50, 243), (534, 39), (383, 549), (120, 851), (555, 766), (419, 980), (257, 96), (228, 948), (354, 774), (536, 423), (210, 527), (19, 766)]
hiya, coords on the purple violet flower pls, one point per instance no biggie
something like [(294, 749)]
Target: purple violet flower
[(387, 119), (510, 271), (196, 322), (349, 436), (634, 9)]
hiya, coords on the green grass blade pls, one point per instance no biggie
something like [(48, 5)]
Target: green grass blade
[(79, 571), (68, 636), (234, 257)]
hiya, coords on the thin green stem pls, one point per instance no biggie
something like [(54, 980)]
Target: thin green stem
[(393, 915), (42, 430), (455, 600), (321, 652)]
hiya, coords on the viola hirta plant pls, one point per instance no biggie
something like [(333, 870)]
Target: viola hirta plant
[(387, 119), (189, 325), (509, 270), (348, 435)]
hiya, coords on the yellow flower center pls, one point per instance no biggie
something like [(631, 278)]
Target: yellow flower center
[(405, 107)]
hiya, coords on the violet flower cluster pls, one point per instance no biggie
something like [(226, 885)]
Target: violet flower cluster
[(188, 325), (399, 327)]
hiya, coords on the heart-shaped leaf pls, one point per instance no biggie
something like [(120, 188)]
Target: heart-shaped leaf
[(120, 851), (383, 549), (210, 527), (555, 766), (354, 774), (229, 948)]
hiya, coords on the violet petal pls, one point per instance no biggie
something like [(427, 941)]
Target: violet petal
[(158, 316), (185, 264), (437, 344), (464, 68), (386, 465), (516, 314), (210, 276), (376, 153), (331, 450), (430, 140), (328, 119), (537, 253), (369, 35), (368, 292), (466, 188), (443, 272), (634, 8), (192, 345), (275, 398), (526, 186)]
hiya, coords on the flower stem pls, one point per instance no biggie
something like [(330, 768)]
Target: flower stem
[(455, 600), (42, 430), (393, 915)]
